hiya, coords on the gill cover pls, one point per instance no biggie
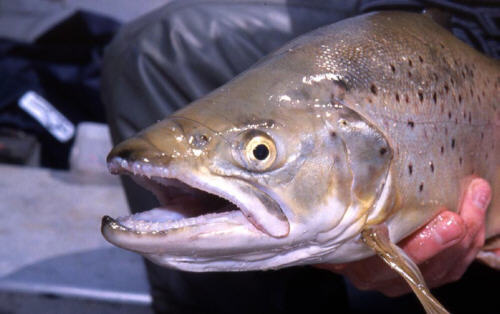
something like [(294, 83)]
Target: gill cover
[(368, 152), (368, 159)]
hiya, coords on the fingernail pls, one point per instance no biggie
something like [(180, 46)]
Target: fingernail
[(480, 195)]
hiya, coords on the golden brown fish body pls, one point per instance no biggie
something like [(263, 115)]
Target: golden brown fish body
[(344, 140), (435, 99)]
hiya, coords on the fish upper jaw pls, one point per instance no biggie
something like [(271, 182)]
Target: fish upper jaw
[(242, 210)]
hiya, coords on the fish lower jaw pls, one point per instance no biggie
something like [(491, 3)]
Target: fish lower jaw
[(192, 191), (161, 219)]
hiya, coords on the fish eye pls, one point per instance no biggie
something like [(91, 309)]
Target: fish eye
[(257, 151)]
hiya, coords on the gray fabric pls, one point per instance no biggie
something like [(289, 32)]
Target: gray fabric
[(26, 20)]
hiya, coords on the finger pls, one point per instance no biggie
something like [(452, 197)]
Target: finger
[(394, 287), (458, 258), (445, 230), (469, 254), (472, 210), (474, 205), (336, 268)]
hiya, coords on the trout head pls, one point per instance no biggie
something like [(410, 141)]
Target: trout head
[(273, 169), (253, 179)]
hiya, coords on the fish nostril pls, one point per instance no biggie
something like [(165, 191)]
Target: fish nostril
[(199, 140)]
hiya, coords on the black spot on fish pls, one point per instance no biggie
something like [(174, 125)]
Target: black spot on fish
[(421, 59), (449, 114), (460, 160), (411, 124), (432, 166), (459, 98), (373, 88), (410, 63), (410, 169), (333, 134), (421, 187), (383, 151), (442, 150), (397, 97), (446, 88), (393, 69), (421, 96), (452, 143), (434, 97)]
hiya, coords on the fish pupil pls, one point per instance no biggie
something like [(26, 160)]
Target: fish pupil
[(261, 152)]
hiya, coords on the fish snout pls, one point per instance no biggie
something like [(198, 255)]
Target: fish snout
[(133, 153), (161, 145)]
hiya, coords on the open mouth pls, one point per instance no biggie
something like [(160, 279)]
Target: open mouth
[(185, 202)]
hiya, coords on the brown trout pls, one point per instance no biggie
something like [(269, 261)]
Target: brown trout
[(329, 150)]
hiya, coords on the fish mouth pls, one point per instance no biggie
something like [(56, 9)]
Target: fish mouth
[(187, 201)]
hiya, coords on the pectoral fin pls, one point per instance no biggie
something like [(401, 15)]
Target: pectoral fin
[(377, 238)]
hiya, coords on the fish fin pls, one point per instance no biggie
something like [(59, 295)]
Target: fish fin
[(377, 238), (490, 254)]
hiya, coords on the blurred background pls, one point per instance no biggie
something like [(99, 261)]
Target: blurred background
[(54, 185)]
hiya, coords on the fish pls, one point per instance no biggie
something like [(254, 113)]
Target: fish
[(329, 150)]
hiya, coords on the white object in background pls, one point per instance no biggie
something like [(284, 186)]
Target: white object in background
[(47, 115), (88, 154)]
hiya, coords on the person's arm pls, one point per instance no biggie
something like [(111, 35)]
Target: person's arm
[(443, 248)]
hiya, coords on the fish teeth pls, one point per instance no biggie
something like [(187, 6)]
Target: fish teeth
[(155, 226), (138, 168)]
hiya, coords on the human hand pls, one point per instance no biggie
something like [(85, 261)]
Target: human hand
[(443, 248)]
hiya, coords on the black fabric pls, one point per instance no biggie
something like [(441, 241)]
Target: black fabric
[(180, 52), (63, 65)]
